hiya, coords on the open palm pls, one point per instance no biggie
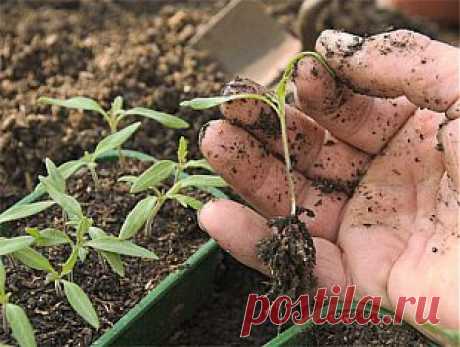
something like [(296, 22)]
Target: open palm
[(380, 185)]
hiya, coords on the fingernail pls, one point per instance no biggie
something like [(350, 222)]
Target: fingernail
[(200, 211), (339, 43), (242, 85)]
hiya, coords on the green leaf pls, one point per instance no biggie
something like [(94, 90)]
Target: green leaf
[(66, 170), (68, 266), (204, 103), (154, 175), (137, 217), (115, 262), (202, 181), (15, 244), (124, 247), (68, 203), (182, 151), (52, 237), (20, 326), (82, 253), (165, 119), (77, 102), (117, 105), (113, 259), (127, 178), (34, 232), (187, 201), (33, 259), (24, 210), (2, 278), (201, 163), (55, 176), (81, 303), (115, 140), (96, 233)]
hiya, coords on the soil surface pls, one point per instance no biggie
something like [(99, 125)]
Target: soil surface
[(175, 236), (98, 49), (365, 335), (218, 323)]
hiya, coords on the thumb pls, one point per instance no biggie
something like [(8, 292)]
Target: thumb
[(397, 63)]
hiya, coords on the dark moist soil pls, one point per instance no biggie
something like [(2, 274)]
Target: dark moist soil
[(98, 49), (175, 236), (365, 335), (218, 322), (291, 257)]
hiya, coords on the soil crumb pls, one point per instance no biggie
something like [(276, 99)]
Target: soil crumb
[(291, 256)]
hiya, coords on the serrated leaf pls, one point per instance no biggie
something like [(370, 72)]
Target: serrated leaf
[(77, 102), (203, 181), (165, 119), (200, 163), (68, 266), (115, 140), (8, 246), (113, 259), (137, 217), (2, 278), (54, 175), (187, 201), (154, 175), (68, 203), (24, 210), (81, 303), (20, 326), (33, 259), (124, 247), (182, 150)]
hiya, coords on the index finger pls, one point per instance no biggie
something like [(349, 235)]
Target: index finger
[(397, 63)]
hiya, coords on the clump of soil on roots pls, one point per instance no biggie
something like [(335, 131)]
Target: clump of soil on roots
[(290, 255)]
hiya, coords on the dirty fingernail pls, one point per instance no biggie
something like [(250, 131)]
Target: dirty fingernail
[(242, 85), (333, 42)]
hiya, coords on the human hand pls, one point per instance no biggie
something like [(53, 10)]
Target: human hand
[(382, 181)]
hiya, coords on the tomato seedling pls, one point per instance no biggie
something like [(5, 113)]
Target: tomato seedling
[(150, 180), (276, 99)]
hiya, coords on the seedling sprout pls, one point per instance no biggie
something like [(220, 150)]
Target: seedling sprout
[(277, 101), (150, 181)]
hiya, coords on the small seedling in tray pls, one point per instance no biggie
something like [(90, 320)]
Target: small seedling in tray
[(81, 237), (155, 176), (14, 316), (116, 113)]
